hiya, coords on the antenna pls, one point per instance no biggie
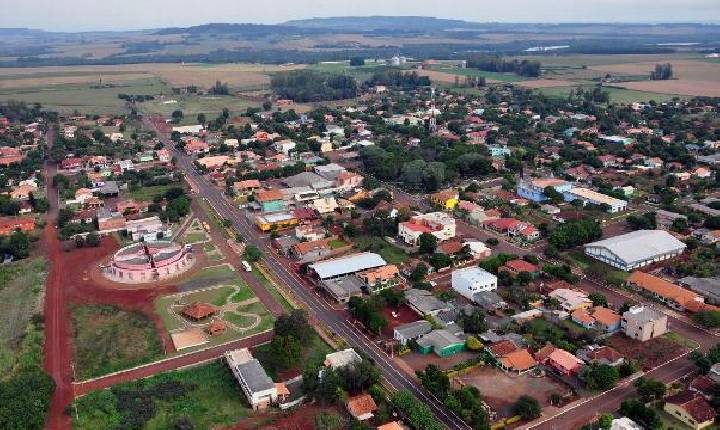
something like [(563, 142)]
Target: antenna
[(433, 120)]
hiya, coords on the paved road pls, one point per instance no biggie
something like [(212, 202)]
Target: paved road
[(319, 309)]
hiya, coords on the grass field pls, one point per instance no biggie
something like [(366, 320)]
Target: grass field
[(20, 284), (389, 253), (150, 193), (195, 233), (493, 76), (211, 398), (107, 338), (192, 105), (83, 97), (272, 289), (617, 95)]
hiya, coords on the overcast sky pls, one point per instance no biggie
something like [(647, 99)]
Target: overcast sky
[(81, 15)]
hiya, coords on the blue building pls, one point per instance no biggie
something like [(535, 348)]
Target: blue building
[(499, 151), (534, 190)]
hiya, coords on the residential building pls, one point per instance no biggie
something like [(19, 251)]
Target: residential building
[(643, 323), (361, 407), (561, 361), (571, 300), (340, 359), (690, 408), (380, 278), (310, 251), (439, 224), (510, 358), (447, 200), (668, 293), (513, 227), (342, 289), (411, 331), (595, 354), (471, 280), (709, 288), (636, 249), (625, 423), (518, 266), (259, 389), (665, 219), (247, 187), (425, 303)]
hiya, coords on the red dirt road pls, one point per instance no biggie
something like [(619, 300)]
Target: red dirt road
[(169, 364)]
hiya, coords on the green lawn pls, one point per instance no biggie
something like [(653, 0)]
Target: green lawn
[(389, 253), (215, 296), (107, 339), (336, 243), (272, 289), (207, 395), (149, 193), (245, 293), (214, 274)]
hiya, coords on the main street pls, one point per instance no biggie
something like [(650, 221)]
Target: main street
[(318, 308)]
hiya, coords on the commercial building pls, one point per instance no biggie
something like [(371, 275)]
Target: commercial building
[(643, 323), (589, 196), (442, 342), (534, 190), (259, 389), (472, 280), (342, 289), (636, 249), (148, 262), (439, 224), (278, 221), (425, 303), (346, 265), (380, 278)]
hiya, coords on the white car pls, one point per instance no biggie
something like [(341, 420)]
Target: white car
[(247, 266)]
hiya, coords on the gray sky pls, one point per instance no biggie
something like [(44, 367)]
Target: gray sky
[(81, 15)]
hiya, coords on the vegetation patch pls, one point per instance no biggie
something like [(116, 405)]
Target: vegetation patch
[(203, 397), (107, 339)]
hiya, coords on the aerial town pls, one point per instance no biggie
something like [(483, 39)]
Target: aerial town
[(365, 244)]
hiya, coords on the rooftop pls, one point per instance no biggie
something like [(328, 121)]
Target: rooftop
[(639, 245), (347, 264)]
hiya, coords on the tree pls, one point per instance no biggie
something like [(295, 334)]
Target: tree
[(419, 272), (438, 261), (641, 414), (553, 195), (201, 118), (662, 72), (575, 233), (598, 299), (295, 324), (286, 351), (427, 243), (527, 407), (650, 389), (357, 61), (473, 322), (600, 376), (252, 253), (435, 381), (25, 400), (92, 239), (473, 343)]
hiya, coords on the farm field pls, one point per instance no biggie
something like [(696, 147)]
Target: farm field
[(617, 95), (107, 338), (207, 395), (192, 105), (67, 98)]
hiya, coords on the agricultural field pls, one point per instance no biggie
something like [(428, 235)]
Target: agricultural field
[(21, 335), (107, 339), (206, 396)]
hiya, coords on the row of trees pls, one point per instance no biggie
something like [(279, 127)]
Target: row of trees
[(574, 233), (309, 86), (398, 79), (499, 64)]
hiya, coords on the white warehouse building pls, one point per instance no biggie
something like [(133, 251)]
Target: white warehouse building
[(471, 280), (636, 249)]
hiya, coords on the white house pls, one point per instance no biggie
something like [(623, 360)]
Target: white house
[(257, 386), (439, 224), (471, 280)]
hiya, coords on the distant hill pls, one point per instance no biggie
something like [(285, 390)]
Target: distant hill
[(245, 29), (370, 23)]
